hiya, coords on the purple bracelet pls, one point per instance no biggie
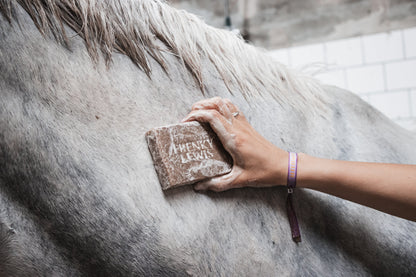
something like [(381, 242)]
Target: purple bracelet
[(291, 184)]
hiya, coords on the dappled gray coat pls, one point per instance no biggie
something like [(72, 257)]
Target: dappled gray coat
[(80, 84)]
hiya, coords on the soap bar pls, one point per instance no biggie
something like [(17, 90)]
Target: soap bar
[(187, 153)]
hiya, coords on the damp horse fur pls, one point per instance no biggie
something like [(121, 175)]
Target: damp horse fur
[(80, 84)]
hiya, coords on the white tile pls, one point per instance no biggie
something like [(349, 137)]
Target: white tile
[(365, 97), (413, 103), (344, 52), (410, 42), (401, 74), (407, 123), (392, 104), (306, 55), (280, 55), (383, 47), (365, 79), (333, 77)]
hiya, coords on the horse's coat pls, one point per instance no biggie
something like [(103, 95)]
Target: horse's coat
[(79, 195)]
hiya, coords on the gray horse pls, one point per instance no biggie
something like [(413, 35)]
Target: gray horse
[(80, 84)]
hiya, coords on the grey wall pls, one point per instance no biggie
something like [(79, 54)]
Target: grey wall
[(282, 23)]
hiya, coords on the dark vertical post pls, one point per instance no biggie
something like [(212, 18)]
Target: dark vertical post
[(227, 14), (245, 33)]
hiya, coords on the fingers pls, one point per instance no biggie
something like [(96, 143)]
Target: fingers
[(233, 108), (218, 104), (213, 117), (220, 183), (218, 123), (218, 113)]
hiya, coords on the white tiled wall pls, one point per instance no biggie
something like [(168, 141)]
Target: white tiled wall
[(380, 68)]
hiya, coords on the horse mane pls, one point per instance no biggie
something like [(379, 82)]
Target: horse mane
[(151, 28)]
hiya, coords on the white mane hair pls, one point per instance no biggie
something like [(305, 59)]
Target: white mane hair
[(136, 28)]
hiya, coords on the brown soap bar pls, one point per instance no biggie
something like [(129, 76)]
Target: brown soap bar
[(187, 153)]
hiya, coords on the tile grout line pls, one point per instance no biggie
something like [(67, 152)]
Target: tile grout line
[(355, 66), (403, 45), (344, 74), (347, 38), (363, 59), (374, 63), (388, 91), (384, 77)]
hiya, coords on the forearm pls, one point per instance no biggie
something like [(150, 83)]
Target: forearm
[(390, 188)]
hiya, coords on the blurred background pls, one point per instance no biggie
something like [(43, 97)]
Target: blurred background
[(365, 46)]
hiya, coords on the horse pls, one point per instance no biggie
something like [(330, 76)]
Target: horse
[(82, 81)]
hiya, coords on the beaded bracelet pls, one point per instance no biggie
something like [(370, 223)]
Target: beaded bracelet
[(291, 184)]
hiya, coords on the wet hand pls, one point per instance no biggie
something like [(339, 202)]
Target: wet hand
[(256, 161)]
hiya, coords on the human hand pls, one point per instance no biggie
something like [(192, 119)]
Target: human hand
[(257, 162)]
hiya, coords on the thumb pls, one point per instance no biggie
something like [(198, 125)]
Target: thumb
[(219, 183)]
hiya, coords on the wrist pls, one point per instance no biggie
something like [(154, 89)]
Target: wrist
[(303, 170), (310, 170), (276, 171)]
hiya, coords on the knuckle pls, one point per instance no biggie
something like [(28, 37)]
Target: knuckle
[(221, 101), (205, 115), (195, 114), (227, 101), (201, 104), (196, 106), (215, 114), (217, 104), (223, 106)]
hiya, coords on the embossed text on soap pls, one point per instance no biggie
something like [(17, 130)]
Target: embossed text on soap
[(192, 150)]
